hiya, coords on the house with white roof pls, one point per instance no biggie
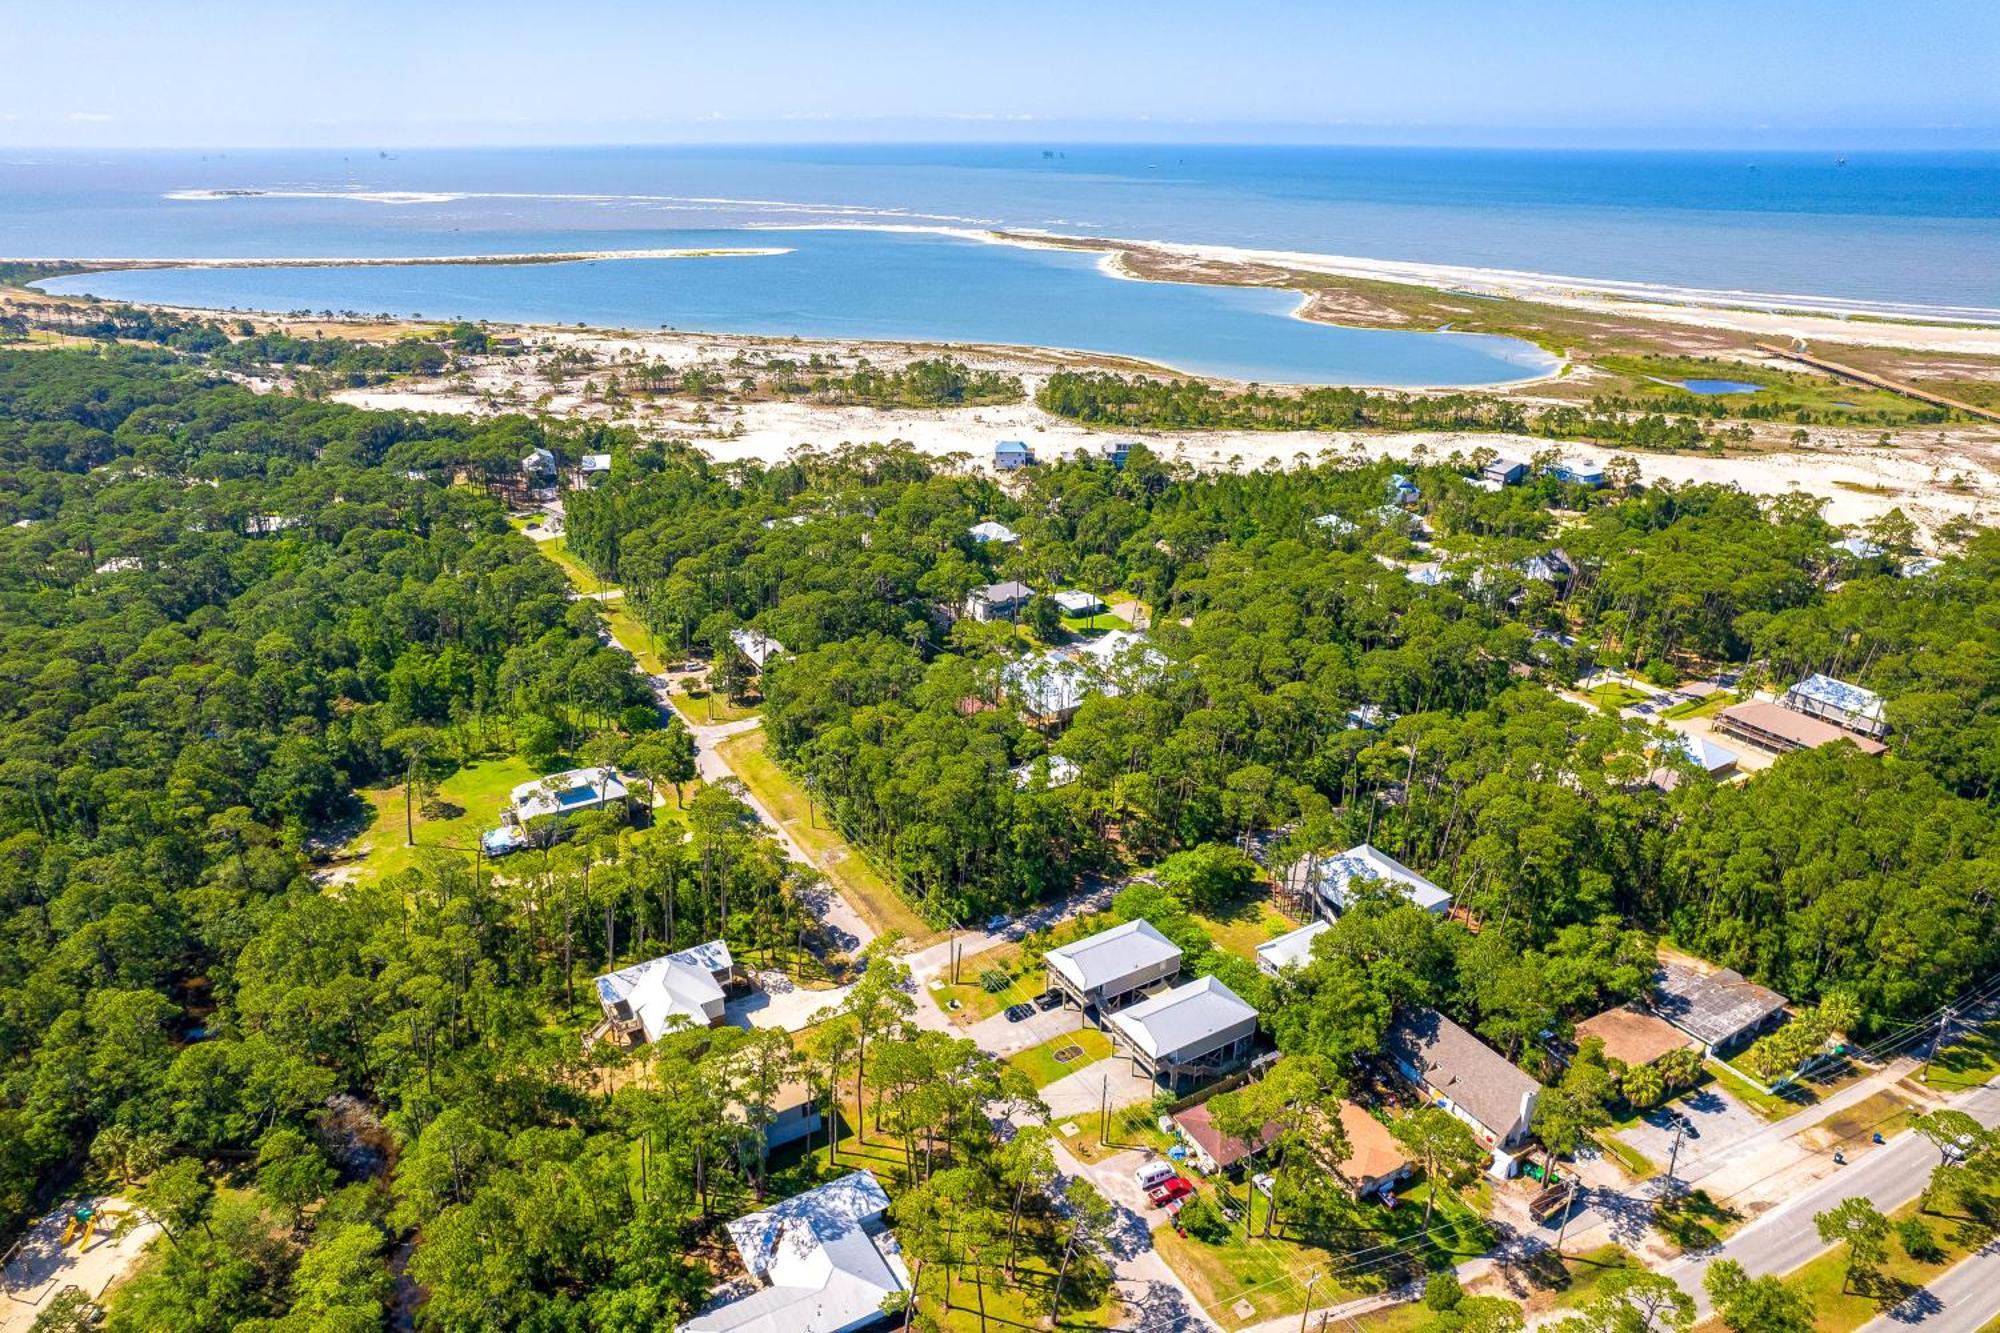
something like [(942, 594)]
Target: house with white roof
[(567, 793), (1195, 1031), (1327, 882), (1293, 949), (1051, 770), (1112, 967), (1838, 702), (1715, 760), (593, 468), (756, 645), (989, 531), (1075, 602), (539, 464), (826, 1261), (1335, 524), (648, 999), (1050, 686)]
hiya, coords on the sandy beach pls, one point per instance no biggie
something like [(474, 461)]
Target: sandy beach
[(1933, 476)]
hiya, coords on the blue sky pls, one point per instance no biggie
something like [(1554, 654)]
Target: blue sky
[(1582, 72)]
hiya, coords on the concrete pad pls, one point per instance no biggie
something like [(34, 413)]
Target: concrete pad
[(40, 1266)]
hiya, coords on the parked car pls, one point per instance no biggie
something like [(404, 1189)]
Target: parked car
[(1169, 1190), (1153, 1173), (1049, 999), (1017, 1012)]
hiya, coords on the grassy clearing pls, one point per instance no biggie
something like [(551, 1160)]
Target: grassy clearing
[(1581, 1280), (1695, 1221), (1270, 1273), (1886, 1113), (580, 578), (1614, 695), (1782, 391), (879, 904), (474, 794), (1243, 925), (1967, 1063), (1839, 1306), (638, 640), (975, 1001), (1097, 624), (1706, 706), (701, 707), (1769, 1105), (1040, 1064), (1636, 1164)]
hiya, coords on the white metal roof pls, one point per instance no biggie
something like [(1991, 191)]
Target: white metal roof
[(758, 647), (1185, 1016), (1294, 948), (1112, 955), (1334, 873), (826, 1271), (989, 531), (1059, 772), (678, 985), (1849, 699), (1078, 602)]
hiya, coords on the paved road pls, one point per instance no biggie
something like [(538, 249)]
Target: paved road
[(1785, 1238), (1961, 1300)]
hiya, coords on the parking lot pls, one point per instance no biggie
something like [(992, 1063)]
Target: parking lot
[(1717, 1117)]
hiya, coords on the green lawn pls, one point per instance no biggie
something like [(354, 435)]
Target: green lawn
[(1967, 1063), (1706, 706), (1772, 1106), (1582, 1278), (1836, 1309), (580, 578), (1695, 1221), (702, 708), (1886, 1113), (1270, 1273), (638, 640), (1636, 1163), (878, 903), (1614, 695), (477, 791), (1040, 1064), (1240, 927), (974, 1000), (1097, 624)]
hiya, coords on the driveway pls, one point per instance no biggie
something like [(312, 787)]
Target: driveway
[(780, 1002), (997, 1036), (1108, 1081), (1719, 1119)]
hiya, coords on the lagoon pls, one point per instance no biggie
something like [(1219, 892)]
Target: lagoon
[(1717, 388), (878, 286)]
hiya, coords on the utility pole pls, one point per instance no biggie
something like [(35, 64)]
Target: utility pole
[(1309, 1301), (1569, 1205), (1944, 1021), (1103, 1110), (1673, 1158)]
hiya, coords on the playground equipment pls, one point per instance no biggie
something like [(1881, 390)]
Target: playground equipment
[(82, 1222)]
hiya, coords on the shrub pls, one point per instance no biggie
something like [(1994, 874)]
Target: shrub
[(1917, 1241), (994, 980)]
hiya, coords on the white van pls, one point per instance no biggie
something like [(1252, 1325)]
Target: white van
[(1153, 1173)]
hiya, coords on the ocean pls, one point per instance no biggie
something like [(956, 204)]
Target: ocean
[(1903, 231)]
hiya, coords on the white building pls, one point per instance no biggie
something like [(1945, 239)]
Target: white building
[(1110, 968), (1327, 882), (989, 531), (567, 793), (650, 997), (1196, 1030), (825, 1257), (1838, 702), (1051, 771), (1290, 950), (1075, 602), (758, 647)]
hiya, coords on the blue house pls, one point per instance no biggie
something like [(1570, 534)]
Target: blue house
[(1011, 454), (1583, 474), (1115, 453), (1402, 490)]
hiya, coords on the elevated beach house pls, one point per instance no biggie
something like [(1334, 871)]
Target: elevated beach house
[(1009, 455), (644, 1000), (1112, 968), (1847, 706), (1463, 1075), (1326, 884), (1505, 472), (822, 1262), (1195, 1032)]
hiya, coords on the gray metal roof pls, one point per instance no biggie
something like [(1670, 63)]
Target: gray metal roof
[(1334, 874), (1849, 699), (1457, 1064), (1711, 1006), (1112, 955), (1010, 591), (1293, 948), (1190, 1015)]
